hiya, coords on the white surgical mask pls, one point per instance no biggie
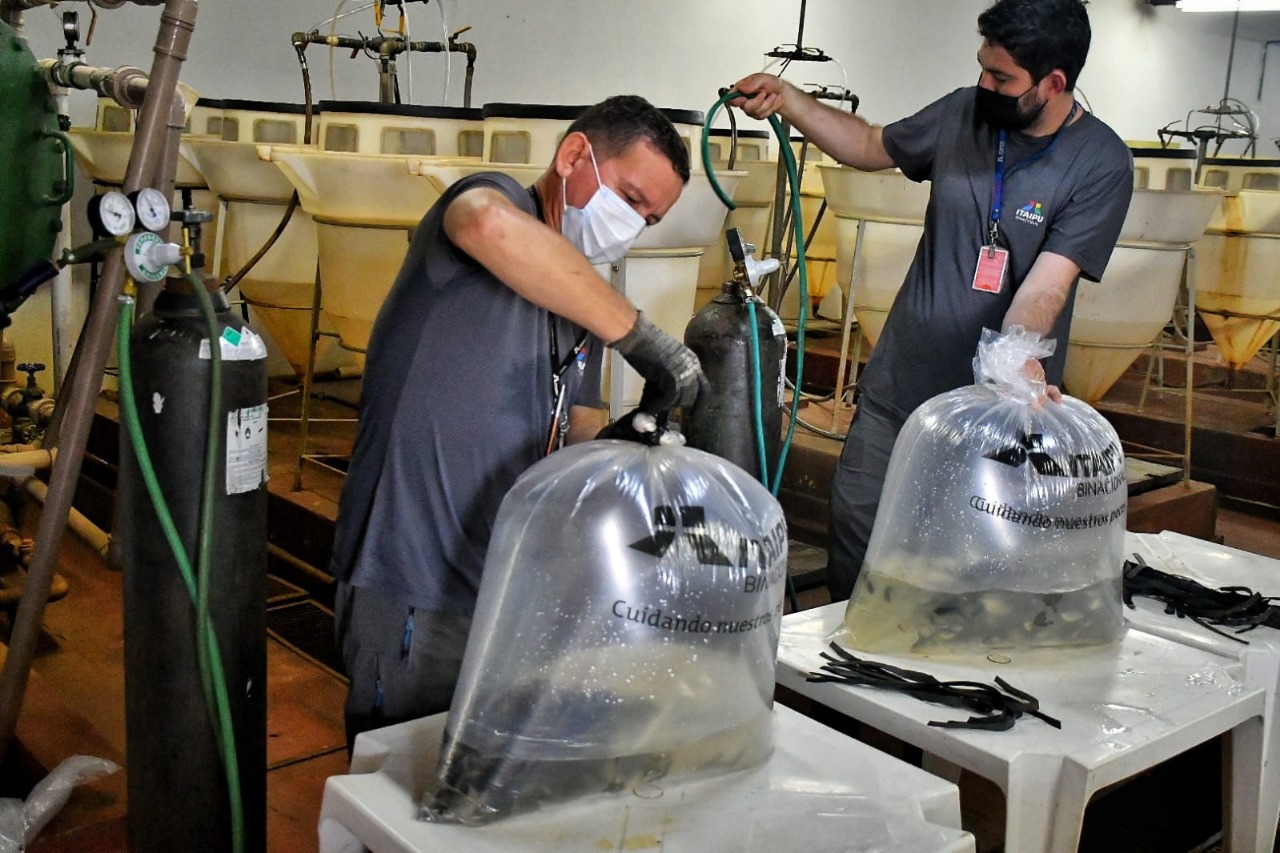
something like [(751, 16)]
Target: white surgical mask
[(603, 230)]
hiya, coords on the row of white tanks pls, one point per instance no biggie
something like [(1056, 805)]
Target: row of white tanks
[(363, 184), (372, 170), (872, 223)]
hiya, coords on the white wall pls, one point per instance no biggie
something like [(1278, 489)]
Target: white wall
[(1148, 65)]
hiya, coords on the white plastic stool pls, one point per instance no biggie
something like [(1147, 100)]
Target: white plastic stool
[(1217, 566), (1123, 708), (819, 791)]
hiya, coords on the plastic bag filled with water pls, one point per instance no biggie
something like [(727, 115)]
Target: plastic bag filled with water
[(625, 634), (1001, 524)]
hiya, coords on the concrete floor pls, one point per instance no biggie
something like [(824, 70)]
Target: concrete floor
[(80, 665)]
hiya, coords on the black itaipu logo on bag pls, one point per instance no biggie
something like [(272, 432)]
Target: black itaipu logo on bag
[(1079, 465), (693, 519)]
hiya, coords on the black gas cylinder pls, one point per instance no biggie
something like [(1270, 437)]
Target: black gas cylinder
[(723, 420), (178, 797)]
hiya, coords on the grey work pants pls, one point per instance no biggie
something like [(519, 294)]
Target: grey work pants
[(403, 663), (855, 492)]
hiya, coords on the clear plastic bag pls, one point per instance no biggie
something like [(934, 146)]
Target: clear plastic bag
[(21, 822), (1001, 523), (626, 631)]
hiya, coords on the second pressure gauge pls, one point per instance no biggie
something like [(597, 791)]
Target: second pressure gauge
[(111, 213), (153, 208)]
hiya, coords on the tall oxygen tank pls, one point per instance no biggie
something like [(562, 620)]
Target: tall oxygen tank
[(177, 789), (723, 419)]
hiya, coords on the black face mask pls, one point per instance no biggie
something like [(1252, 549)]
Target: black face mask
[(1002, 111)]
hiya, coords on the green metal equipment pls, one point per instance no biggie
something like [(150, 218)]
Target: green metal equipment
[(35, 161)]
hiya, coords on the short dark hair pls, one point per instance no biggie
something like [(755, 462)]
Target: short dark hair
[(614, 124), (1040, 35)]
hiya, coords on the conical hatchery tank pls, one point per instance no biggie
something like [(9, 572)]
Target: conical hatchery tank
[(1237, 291), (104, 156), (530, 133), (1156, 167), (1116, 319), (750, 146), (889, 210), (1241, 173), (280, 286), (365, 127), (365, 207), (1111, 325), (103, 153)]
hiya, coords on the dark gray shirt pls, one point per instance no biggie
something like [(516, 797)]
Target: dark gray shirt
[(1071, 201), (456, 404)]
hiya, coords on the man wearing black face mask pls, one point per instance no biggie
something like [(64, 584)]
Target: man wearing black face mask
[(1028, 194)]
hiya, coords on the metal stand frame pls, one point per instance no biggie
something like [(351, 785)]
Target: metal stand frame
[(1189, 348), (308, 380)]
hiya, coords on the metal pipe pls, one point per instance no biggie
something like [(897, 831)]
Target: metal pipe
[(61, 291), (846, 332), (25, 463), (1231, 58), (173, 39), (387, 47), (307, 379), (387, 81), (1262, 72), (381, 45), (126, 85), (1187, 416), (93, 535), (470, 50)]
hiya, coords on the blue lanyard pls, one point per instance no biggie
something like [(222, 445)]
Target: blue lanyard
[(997, 192)]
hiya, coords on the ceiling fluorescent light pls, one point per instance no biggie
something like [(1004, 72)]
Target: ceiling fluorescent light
[(1229, 5)]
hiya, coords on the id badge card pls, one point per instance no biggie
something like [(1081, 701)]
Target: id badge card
[(991, 270)]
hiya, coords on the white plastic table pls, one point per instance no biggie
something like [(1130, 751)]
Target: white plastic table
[(1217, 566), (1123, 709), (820, 791)]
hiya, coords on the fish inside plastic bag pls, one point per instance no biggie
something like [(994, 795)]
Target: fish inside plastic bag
[(626, 632), (1001, 523)]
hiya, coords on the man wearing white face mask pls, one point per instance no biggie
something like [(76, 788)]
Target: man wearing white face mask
[(491, 333)]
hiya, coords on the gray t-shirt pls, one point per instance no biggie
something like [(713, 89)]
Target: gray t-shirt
[(1072, 201), (456, 404)]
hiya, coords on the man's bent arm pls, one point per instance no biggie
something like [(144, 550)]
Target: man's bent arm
[(536, 262)]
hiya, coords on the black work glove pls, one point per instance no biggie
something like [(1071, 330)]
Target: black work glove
[(671, 372)]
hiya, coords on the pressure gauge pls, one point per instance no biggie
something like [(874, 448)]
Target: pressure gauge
[(111, 213), (152, 207)]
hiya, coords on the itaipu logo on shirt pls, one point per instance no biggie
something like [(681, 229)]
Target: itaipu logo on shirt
[(1031, 213)]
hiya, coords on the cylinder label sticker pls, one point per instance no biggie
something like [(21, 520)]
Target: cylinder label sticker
[(242, 345), (246, 449)]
